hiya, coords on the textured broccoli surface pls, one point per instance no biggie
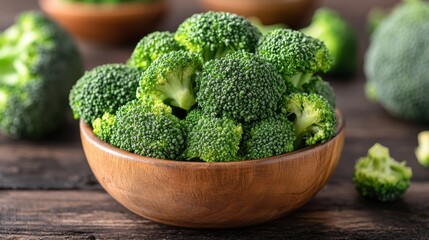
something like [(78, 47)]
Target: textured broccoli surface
[(149, 48), (422, 151), (269, 137), (103, 89), (102, 126), (148, 128), (378, 176), (39, 63), (215, 34), (240, 86), (397, 62), (313, 117), (323, 88), (295, 55)]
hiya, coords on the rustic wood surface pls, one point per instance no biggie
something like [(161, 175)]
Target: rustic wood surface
[(47, 190)]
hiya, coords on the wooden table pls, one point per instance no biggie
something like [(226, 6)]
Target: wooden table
[(47, 190)]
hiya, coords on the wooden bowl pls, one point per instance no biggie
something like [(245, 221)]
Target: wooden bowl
[(212, 195), (105, 23), (291, 12)]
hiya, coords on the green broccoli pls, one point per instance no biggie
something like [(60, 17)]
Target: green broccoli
[(323, 88), (313, 117), (240, 86), (378, 176), (397, 62), (103, 89), (151, 47), (39, 63), (148, 128), (171, 78), (215, 34), (265, 29), (422, 151), (102, 126), (295, 55), (339, 37), (212, 139), (269, 137)]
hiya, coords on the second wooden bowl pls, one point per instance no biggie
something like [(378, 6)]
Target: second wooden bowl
[(212, 195)]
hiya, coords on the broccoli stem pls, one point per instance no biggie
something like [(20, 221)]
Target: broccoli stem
[(299, 79), (304, 119)]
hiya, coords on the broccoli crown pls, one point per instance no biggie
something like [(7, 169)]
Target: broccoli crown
[(422, 151), (269, 137), (212, 139), (215, 34), (378, 176), (102, 126), (148, 128), (171, 78), (397, 62), (338, 36), (39, 63), (151, 47), (240, 86), (323, 88), (295, 55), (103, 89), (313, 117)]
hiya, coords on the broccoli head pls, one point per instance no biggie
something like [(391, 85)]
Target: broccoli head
[(148, 128), (151, 47), (397, 62), (102, 126), (295, 55), (103, 89), (422, 151), (215, 34), (313, 117), (39, 63), (240, 86), (323, 88), (378, 176)]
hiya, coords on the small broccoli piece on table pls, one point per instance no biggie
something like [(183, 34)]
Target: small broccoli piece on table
[(151, 47), (269, 137), (103, 89), (171, 78), (39, 63), (323, 88), (215, 34), (240, 86), (148, 128), (313, 117), (102, 126), (212, 139), (422, 151), (378, 176), (339, 37), (295, 55)]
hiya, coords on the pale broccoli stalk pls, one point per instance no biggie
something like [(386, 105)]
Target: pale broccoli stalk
[(422, 151)]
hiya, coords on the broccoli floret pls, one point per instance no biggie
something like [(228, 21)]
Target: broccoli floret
[(148, 128), (215, 34), (295, 55), (313, 117), (269, 137), (323, 88), (102, 126), (339, 37), (240, 86), (103, 89), (39, 63), (397, 62), (151, 47), (378, 176), (422, 151), (212, 139)]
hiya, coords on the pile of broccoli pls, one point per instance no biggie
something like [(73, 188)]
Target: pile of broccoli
[(216, 90)]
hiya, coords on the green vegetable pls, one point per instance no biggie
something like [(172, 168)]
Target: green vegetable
[(215, 34), (148, 128), (39, 63), (422, 151), (397, 62), (151, 47), (313, 117), (240, 86), (265, 29), (295, 55), (171, 78), (318, 86), (102, 126), (103, 89), (378, 176), (339, 37)]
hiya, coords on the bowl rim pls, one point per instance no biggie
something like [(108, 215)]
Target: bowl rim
[(86, 132)]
